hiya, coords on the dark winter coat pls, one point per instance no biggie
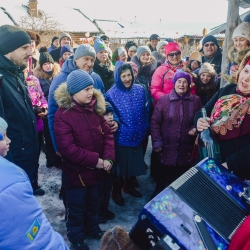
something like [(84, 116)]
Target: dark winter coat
[(17, 110), (67, 68), (55, 53), (131, 107), (235, 152), (145, 72), (82, 136), (171, 121), (105, 72), (216, 60), (46, 79)]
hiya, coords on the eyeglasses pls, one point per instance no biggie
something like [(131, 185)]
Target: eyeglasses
[(174, 54), (209, 44)]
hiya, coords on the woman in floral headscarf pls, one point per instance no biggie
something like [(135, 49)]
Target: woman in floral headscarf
[(229, 112)]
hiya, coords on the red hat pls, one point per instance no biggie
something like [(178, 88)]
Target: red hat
[(172, 46)]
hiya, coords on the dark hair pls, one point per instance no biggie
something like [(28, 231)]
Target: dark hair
[(202, 89), (43, 49)]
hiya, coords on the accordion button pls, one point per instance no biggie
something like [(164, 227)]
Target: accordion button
[(197, 218), (229, 188)]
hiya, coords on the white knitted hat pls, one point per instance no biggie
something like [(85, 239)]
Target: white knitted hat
[(242, 30)]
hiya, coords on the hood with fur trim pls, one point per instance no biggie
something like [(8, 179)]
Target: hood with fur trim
[(235, 56), (64, 99), (39, 73)]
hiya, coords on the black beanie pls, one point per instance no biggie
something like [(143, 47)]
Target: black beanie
[(154, 37), (210, 39), (12, 38), (54, 38), (45, 57)]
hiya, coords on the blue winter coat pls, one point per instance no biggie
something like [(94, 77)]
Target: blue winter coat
[(68, 66), (131, 107), (23, 224)]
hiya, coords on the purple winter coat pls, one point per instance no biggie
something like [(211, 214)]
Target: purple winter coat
[(83, 136), (171, 121)]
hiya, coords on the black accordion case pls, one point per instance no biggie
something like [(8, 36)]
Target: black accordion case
[(200, 210)]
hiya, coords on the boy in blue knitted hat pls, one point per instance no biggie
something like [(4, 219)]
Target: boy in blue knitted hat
[(86, 144)]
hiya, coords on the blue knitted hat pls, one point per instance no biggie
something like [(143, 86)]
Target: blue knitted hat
[(109, 108), (99, 45), (181, 74), (78, 80), (66, 48)]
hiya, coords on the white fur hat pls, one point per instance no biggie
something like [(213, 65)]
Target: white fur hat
[(242, 30)]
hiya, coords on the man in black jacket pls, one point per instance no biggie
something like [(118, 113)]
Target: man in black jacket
[(15, 103), (65, 39)]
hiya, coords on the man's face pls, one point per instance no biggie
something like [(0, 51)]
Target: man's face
[(85, 63), (65, 41), (56, 43), (154, 43), (210, 49), (20, 56)]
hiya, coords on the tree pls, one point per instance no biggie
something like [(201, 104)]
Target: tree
[(44, 24)]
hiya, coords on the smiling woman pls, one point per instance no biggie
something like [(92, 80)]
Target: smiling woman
[(229, 112)]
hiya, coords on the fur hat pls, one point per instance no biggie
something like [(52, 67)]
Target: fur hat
[(78, 80), (117, 239), (207, 68), (45, 57), (181, 74), (159, 44), (242, 30), (141, 50), (35, 37), (154, 37), (172, 46)]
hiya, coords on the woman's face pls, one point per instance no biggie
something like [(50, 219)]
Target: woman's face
[(66, 55), (131, 53), (162, 50), (240, 43), (126, 78), (244, 80), (205, 77), (194, 65), (145, 58), (181, 86), (124, 56), (102, 56), (48, 66), (174, 57)]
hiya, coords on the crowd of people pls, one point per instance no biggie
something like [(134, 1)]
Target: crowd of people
[(94, 110)]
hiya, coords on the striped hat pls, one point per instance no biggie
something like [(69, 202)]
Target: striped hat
[(78, 80)]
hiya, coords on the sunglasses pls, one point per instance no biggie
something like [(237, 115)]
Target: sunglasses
[(209, 44), (174, 54)]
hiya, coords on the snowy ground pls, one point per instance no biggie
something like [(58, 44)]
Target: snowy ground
[(126, 216)]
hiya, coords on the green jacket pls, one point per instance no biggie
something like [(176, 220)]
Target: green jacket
[(17, 110)]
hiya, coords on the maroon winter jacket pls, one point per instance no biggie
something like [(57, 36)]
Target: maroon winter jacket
[(82, 136), (171, 121)]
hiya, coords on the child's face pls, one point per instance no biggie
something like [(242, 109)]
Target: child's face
[(205, 77), (85, 95), (66, 55), (4, 144), (109, 118)]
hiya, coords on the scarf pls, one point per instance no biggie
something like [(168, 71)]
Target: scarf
[(229, 112)]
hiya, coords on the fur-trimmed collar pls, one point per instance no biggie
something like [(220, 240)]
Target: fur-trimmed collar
[(64, 99), (159, 57), (39, 73), (149, 68), (235, 56)]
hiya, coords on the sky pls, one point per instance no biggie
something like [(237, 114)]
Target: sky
[(186, 16)]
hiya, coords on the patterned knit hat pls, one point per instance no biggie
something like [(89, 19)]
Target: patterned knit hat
[(3, 128), (99, 45), (66, 48), (78, 80), (207, 68), (181, 74), (45, 57)]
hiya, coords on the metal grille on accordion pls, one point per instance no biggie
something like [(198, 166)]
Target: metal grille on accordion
[(200, 210)]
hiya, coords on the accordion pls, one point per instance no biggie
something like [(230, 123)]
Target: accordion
[(200, 210)]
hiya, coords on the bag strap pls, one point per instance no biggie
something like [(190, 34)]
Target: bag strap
[(162, 83)]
